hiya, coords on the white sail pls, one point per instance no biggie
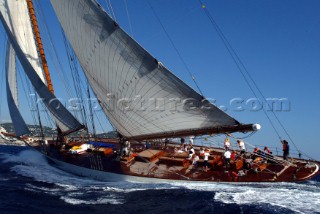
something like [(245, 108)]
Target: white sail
[(20, 127), (11, 73), (64, 119), (139, 95), (17, 17)]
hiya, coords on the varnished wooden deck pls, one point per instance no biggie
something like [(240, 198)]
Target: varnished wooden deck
[(168, 164)]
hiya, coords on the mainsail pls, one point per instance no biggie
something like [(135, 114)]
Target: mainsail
[(64, 119), (19, 124), (140, 96)]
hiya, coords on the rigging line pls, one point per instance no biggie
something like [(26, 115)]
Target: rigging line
[(226, 42), (175, 48), (25, 92), (236, 60), (46, 121), (3, 72), (58, 67), (39, 118), (49, 120), (264, 98), (71, 67), (38, 9), (79, 85), (247, 136), (1, 85), (98, 119), (252, 146), (129, 20), (75, 77), (34, 101), (101, 104), (74, 67), (91, 112), (54, 56), (109, 5), (47, 115), (276, 160), (37, 115)]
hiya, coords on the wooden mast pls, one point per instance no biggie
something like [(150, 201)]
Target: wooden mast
[(39, 45), (36, 32), (38, 40)]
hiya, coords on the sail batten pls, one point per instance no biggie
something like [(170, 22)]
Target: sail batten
[(128, 81)]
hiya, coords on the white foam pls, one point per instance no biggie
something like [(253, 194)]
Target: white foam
[(42, 189), (75, 195), (69, 187), (103, 200), (4, 179), (296, 199), (34, 165), (5, 156), (301, 198), (28, 157)]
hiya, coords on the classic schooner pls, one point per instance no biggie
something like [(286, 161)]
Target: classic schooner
[(123, 76)]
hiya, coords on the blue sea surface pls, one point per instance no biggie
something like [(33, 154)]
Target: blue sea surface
[(29, 184)]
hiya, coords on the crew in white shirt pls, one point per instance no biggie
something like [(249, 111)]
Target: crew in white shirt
[(227, 156)]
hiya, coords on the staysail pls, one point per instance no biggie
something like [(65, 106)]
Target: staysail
[(64, 119), (20, 127), (11, 73), (16, 15), (141, 97)]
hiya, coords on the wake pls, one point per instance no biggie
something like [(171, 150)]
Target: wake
[(298, 197)]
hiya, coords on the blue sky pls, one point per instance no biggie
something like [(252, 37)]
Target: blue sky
[(278, 41)]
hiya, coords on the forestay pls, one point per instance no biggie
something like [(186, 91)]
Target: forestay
[(139, 95)]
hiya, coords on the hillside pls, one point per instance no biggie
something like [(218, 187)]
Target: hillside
[(50, 132)]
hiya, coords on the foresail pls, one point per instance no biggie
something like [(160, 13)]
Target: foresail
[(16, 15), (139, 95), (65, 120), (20, 127), (11, 73)]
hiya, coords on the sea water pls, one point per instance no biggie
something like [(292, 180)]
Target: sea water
[(29, 184)]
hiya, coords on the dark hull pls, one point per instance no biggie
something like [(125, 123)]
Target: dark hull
[(158, 164)]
